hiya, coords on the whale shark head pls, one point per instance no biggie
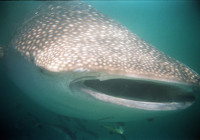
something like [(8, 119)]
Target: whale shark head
[(78, 62)]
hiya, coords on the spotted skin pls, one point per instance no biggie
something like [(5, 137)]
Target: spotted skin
[(74, 36)]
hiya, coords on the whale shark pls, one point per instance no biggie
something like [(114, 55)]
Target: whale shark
[(78, 62)]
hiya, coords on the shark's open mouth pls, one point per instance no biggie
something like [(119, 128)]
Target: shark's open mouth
[(139, 94)]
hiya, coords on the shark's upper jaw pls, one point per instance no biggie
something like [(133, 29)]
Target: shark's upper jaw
[(134, 93)]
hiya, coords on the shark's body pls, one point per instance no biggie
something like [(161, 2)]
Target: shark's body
[(78, 62)]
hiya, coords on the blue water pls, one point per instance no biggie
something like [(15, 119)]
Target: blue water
[(173, 27)]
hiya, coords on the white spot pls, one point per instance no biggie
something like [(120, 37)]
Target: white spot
[(81, 70)]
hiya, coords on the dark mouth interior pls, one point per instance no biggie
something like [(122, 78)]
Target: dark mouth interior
[(140, 90)]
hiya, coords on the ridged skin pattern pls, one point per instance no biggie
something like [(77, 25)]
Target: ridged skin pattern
[(74, 36)]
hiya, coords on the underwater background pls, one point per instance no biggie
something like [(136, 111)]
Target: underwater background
[(172, 26)]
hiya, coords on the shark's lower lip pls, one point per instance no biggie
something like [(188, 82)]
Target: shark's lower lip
[(138, 94)]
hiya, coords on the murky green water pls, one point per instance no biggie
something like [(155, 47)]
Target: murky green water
[(173, 27)]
